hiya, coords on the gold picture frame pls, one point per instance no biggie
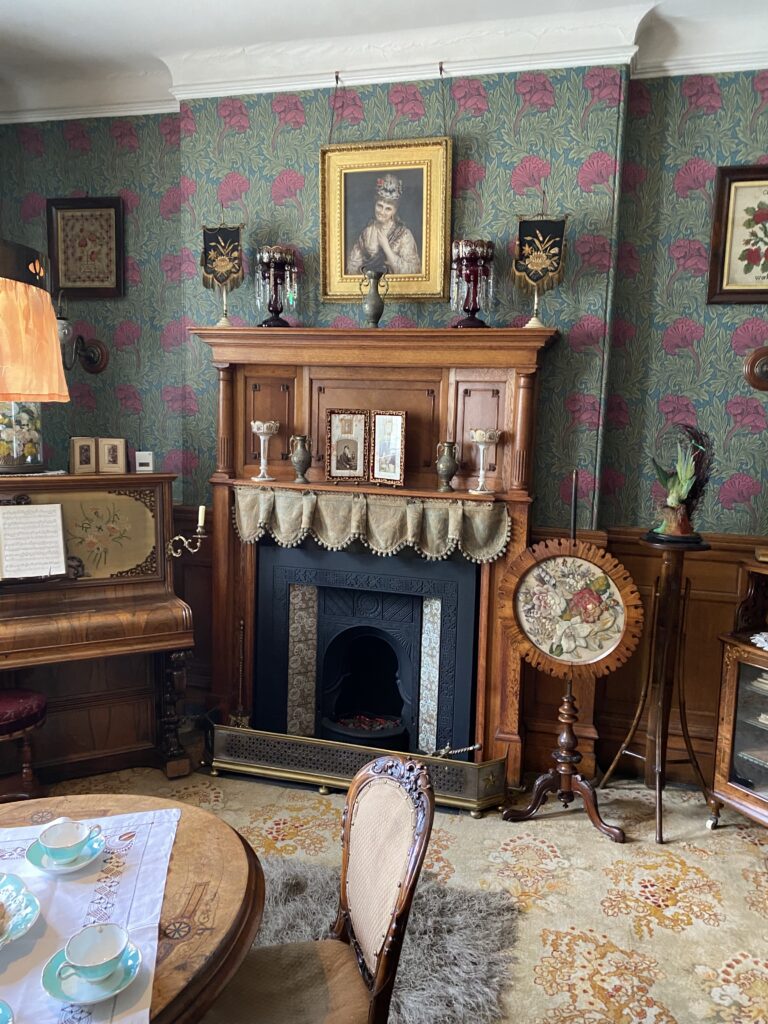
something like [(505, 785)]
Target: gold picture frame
[(346, 445), (411, 175), (111, 455), (386, 464)]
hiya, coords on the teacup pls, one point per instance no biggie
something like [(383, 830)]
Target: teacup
[(94, 952), (64, 840)]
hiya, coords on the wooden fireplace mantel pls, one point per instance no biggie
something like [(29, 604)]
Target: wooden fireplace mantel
[(447, 381)]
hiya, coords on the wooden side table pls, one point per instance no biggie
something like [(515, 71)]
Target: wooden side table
[(667, 622)]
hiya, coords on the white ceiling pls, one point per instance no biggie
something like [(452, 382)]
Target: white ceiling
[(82, 58)]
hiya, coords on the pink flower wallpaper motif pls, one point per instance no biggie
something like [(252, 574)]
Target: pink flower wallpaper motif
[(234, 117), (83, 397), (632, 177), (628, 261), (125, 135), (741, 489), (232, 190), (585, 487), (76, 137), (170, 131), (696, 175), (623, 333), (598, 169), (681, 336), (181, 400), (175, 334), (594, 252), (131, 200), (678, 409), (747, 414), (587, 334), (407, 103), (537, 94), (32, 205), (31, 140), (702, 96), (129, 399), (584, 410), (690, 257), (346, 107), (750, 335), (612, 482), (639, 100), (603, 86), (132, 272), (467, 176), (181, 460), (617, 413), (289, 112), (127, 336), (530, 175), (286, 188), (470, 98), (187, 121)]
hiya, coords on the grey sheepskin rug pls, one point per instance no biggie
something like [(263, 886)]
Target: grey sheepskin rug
[(457, 949)]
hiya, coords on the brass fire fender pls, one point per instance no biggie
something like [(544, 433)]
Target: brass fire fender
[(464, 784)]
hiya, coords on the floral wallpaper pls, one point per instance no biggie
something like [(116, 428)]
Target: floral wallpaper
[(549, 141), (674, 359)]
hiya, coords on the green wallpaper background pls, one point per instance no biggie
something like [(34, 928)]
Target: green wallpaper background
[(632, 167)]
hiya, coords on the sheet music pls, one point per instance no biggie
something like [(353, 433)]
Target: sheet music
[(31, 541)]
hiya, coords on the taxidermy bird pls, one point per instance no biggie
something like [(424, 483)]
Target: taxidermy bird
[(685, 483)]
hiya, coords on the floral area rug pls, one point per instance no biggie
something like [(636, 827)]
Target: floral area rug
[(605, 934)]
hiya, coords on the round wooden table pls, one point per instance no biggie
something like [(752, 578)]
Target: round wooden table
[(214, 898)]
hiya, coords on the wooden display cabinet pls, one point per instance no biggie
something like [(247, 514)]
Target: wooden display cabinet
[(741, 758)]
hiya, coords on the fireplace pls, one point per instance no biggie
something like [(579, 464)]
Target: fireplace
[(351, 647)]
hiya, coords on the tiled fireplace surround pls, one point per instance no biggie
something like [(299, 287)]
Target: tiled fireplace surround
[(311, 604)]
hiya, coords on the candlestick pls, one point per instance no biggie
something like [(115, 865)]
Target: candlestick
[(264, 430), (483, 437), (201, 517)]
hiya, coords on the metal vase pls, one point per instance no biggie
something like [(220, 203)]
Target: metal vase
[(373, 299), (301, 456)]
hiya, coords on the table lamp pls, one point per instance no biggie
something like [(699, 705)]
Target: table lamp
[(31, 369)]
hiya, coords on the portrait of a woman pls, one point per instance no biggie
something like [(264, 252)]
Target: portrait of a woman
[(386, 243)]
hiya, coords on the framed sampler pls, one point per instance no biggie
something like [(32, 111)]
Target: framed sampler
[(85, 247)]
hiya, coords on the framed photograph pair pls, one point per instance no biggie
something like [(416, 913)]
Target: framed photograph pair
[(363, 445), (385, 206), (738, 263), (97, 455)]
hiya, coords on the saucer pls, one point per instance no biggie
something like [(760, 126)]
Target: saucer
[(6, 1013), (43, 862), (22, 908), (78, 990)]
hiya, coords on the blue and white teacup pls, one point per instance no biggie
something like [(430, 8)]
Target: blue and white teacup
[(64, 840), (94, 952)]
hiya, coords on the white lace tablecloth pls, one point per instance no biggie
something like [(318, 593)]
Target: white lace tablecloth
[(125, 884)]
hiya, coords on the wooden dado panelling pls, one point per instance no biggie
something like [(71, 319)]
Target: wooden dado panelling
[(605, 711)]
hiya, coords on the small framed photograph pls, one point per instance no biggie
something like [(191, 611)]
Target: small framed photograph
[(111, 454), (82, 455), (738, 259), (85, 246), (387, 449), (346, 444)]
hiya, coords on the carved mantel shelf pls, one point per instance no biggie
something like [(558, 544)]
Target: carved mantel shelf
[(447, 381)]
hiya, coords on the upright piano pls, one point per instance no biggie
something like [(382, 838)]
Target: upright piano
[(107, 640)]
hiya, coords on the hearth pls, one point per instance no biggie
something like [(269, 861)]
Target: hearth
[(352, 647)]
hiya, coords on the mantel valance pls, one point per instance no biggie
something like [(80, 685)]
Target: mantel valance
[(385, 523)]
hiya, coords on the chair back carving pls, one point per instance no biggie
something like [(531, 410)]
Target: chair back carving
[(386, 826)]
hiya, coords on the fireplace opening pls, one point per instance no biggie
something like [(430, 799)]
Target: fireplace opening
[(363, 699)]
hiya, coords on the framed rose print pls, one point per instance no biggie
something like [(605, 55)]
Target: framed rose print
[(346, 445), (387, 447), (385, 206), (85, 247), (738, 261), (111, 454)]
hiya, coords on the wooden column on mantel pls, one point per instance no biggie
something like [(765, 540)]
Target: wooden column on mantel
[(447, 381)]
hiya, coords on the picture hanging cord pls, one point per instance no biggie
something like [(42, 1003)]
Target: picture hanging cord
[(441, 69), (333, 107)]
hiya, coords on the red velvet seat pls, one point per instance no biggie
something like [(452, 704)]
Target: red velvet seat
[(21, 711)]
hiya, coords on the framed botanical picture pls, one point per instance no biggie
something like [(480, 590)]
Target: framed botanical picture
[(346, 444), (385, 206), (738, 259), (82, 455), (387, 447), (85, 247), (111, 455)]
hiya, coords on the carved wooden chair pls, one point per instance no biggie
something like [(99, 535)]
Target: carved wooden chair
[(348, 977), (21, 711)]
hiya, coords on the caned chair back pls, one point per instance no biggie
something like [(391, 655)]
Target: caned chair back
[(385, 830)]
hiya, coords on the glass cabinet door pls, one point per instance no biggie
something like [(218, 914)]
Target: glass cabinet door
[(749, 750)]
